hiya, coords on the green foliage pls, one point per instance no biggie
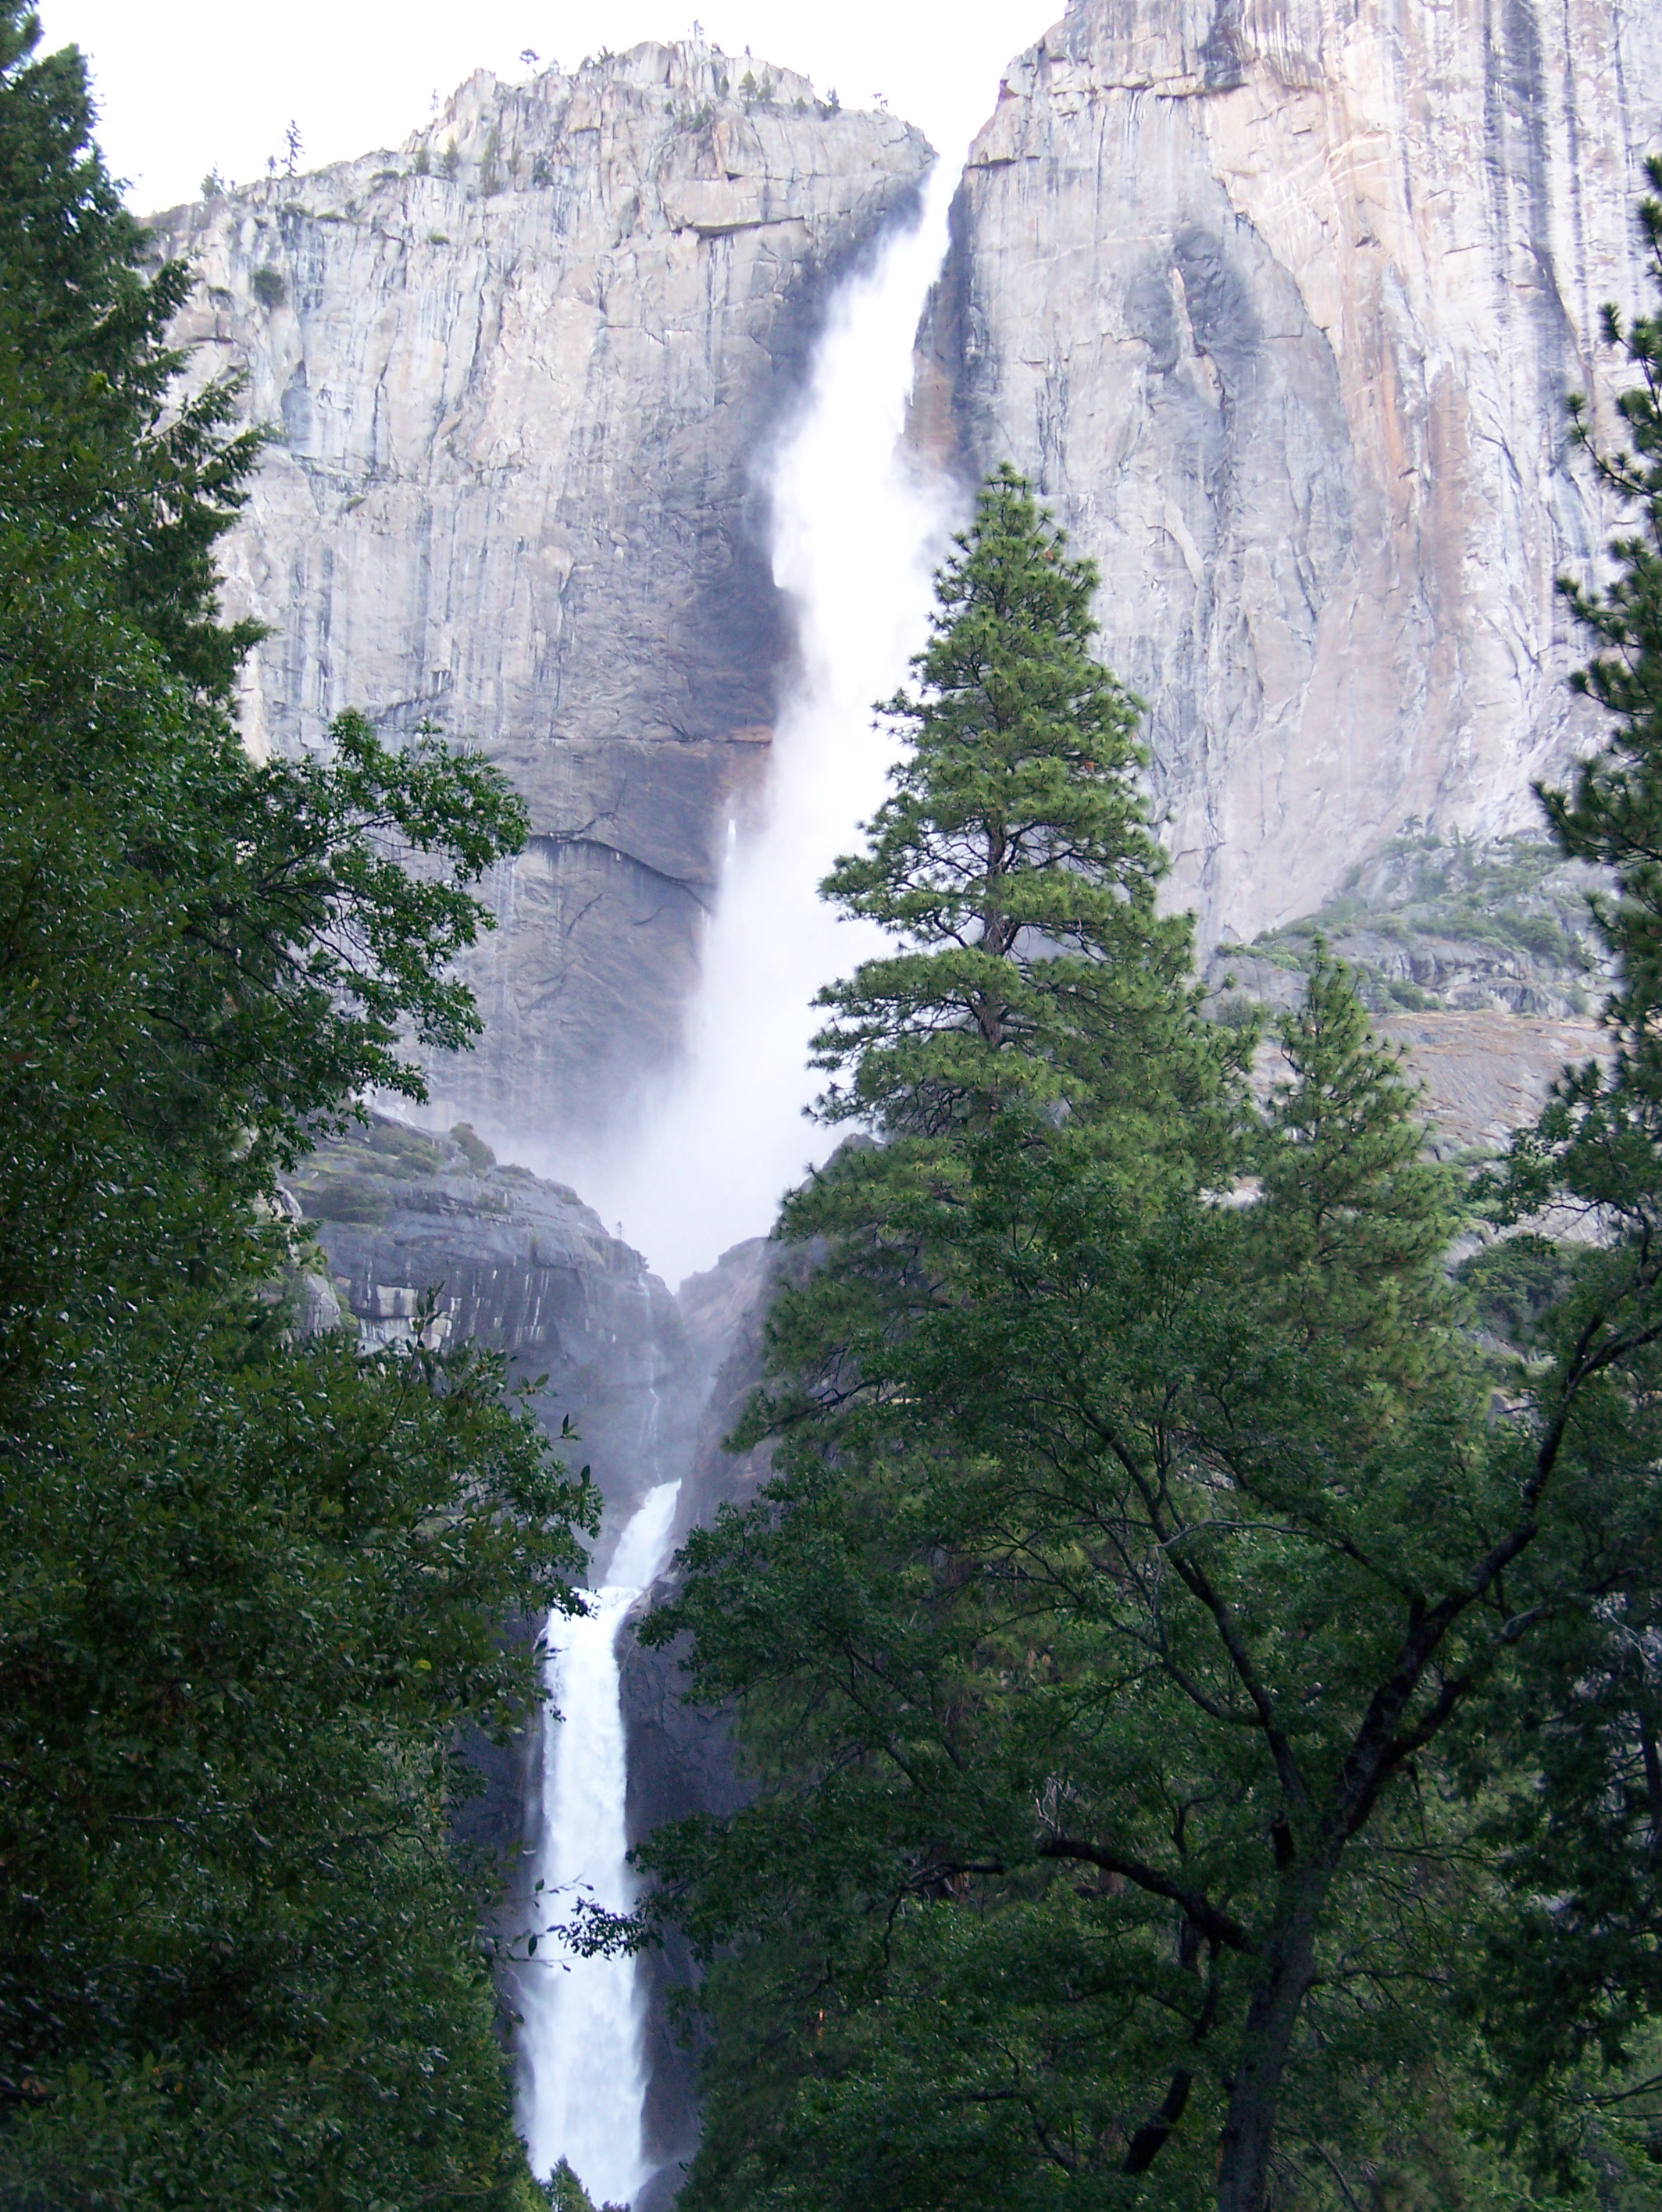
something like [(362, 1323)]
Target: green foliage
[(1014, 868), (1609, 814), (1352, 1222), (1573, 1983), (478, 1153), (566, 2192), (1205, 1740), (1027, 1636), (202, 959), (1516, 1282), (251, 1590), (87, 444), (1473, 907), (268, 287), (249, 1596)]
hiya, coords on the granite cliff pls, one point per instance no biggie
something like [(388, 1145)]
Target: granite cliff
[(1279, 302), (520, 372)]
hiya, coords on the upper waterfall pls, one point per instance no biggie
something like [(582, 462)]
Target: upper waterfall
[(858, 524), (522, 368)]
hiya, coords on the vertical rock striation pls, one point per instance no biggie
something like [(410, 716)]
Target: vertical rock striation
[(1279, 302), (518, 374)]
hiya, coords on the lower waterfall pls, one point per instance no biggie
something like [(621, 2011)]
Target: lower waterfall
[(583, 2083), (858, 523)]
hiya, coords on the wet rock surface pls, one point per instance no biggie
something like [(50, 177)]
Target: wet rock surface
[(524, 1267), (652, 1383), (681, 1756)]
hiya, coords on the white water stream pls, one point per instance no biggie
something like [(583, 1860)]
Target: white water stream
[(858, 526), (583, 2075), (858, 529)]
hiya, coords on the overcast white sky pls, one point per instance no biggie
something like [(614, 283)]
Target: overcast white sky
[(185, 86)]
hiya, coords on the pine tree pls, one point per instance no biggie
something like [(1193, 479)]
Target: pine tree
[(1571, 1986), (1016, 868), (1601, 1139), (1055, 1638), (1354, 1220), (94, 438), (1093, 1495)]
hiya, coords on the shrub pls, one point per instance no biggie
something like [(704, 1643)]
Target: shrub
[(479, 1154)]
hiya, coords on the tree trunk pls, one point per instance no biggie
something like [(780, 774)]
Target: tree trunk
[(1243, 2173)]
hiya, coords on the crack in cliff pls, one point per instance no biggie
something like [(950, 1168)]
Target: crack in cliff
[(700, 893)]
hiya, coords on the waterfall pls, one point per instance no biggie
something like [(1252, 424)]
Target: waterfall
[(858, 524), (582, 2068)]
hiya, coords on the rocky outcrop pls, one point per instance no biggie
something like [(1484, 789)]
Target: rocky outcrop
[(520, 373), (524, 1267), (1279, 302), (1429, 924), (1485, 1074)]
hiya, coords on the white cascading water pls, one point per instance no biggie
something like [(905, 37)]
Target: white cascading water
[(858, 528), (582, 2067)]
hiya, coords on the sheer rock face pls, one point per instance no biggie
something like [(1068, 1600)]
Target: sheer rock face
[(1279, 301), (522, 1265), (521, 373)]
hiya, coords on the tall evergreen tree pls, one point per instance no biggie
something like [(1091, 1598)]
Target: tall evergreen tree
[(251, 1591), (1152, 1645), (1571, 1977), (1051, 1638), (93, 436)]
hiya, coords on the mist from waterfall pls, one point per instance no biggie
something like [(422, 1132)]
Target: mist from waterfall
[(858, 524), (583, 2072)]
